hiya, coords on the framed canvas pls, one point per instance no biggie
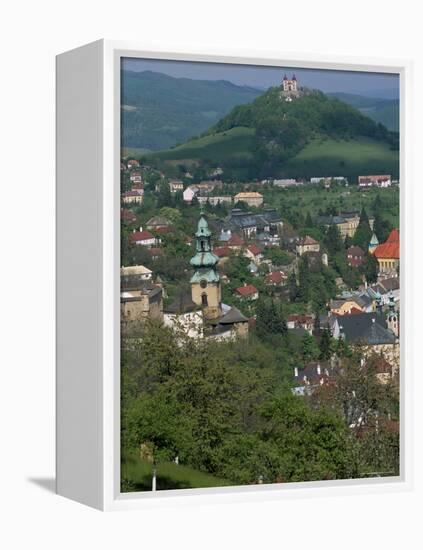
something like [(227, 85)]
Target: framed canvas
[(230, 319)]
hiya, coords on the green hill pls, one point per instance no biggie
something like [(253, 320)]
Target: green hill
[(311, 136), (159, 111), (385, 111)]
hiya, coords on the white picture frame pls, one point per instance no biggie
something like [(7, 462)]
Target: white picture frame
[(88, 254)]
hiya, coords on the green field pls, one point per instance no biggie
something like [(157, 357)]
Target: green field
[(328, 157), (237, 142), (321, 157), (311, 198), (133, 152), (137, 476)]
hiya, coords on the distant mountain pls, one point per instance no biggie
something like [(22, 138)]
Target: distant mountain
[(159, 111), (385, 111), (313, 135)]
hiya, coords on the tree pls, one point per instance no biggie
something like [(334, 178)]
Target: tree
[(308, 220), (381, 228), (310, 350), (270, 319), (363, 233), (333, 240), (292, 287), (325, 345), (370, 268), (304, 287)]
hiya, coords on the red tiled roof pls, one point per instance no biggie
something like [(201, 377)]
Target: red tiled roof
[(393, 236), (127, 215), (300, 318), (235, 240), (390, 248), (276, 277), (254, 249), (222, 251), (246, 290), (308, 240), (141, 236), (162, 230)]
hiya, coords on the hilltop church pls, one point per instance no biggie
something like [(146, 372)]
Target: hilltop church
[(200, 312), (290, 88)]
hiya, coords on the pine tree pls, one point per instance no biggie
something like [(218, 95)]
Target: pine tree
[(333, 240), (325, 345), (292, 287), (308, 220), (304, 289), (363, 233)]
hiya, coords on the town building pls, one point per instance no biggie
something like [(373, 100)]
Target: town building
[(252, 198), (355, 256), (275, 278), (134, 196), (189, 193), (176, 186), (288, 182), (300, 320), (346, 222), (388, 254), (127, 215), (143, 238), (369, 331), (375, 181), (139, 300), (254, 253), (220, 199), (158, 222), (307, 244), (248, 292), (136, 273)]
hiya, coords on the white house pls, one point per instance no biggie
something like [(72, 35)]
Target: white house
[(141, 271), (189, 193)]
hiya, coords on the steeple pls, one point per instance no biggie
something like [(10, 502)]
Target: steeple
[(205, 283), (378, 300), (204, 257), (374, 242), (392, 319)]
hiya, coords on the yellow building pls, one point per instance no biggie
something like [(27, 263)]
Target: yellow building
[(252, 198)]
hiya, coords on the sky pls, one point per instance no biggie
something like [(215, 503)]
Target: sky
[(363, 83)]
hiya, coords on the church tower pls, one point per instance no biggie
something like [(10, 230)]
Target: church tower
[(392, 320), (205, 283), (374, 243)]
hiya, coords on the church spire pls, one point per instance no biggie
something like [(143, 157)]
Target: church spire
[(205, 282)]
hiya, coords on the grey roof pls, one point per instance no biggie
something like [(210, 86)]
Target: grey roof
[(271, 215), (393, 283), (233, 316), (366, 328)]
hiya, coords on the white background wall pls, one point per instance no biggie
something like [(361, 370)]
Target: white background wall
[(31, 34)]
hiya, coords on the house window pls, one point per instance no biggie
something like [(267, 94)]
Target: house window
[(204, 301)]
